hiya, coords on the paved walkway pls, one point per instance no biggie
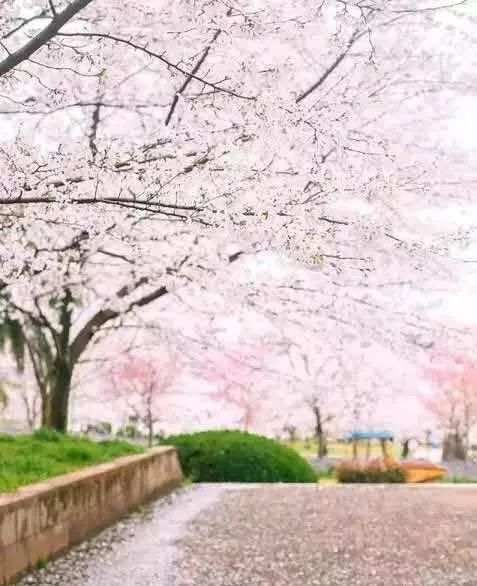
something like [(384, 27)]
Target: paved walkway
[(279, 535)]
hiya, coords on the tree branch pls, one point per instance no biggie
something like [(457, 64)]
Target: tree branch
[(95, 120), (52, 8), (142, 204), (103, 316), (25, 22), (191, 77), (333, 221), (430, 8), (161, 58), (43, 37), (354, 37)]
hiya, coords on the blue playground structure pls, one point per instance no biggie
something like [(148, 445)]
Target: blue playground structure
[(357, 436)]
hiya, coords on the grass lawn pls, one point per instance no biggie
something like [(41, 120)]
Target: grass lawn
[(26, 459)]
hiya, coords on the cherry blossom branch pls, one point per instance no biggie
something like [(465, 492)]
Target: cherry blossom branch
[(52, 8), (336, 63), (357, 35), (95, 120), (161, 58), (43, 37), (105, 315), (416, 10), (25, 22), (430, 8), (132, 202), (83, 104), (191, 77)]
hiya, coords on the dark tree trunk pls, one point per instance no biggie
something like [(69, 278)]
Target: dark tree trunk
[(405, 449), (322, 445), (453, 447), (320, 433), (150, 430), (56, 395), (55, 407)]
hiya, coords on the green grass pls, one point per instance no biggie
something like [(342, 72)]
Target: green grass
[(26, 459)]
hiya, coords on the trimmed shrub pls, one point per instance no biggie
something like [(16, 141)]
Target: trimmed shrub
[(235, 456), (372, 472)]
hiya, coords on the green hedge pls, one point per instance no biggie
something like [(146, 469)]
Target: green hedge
[(235, 456)]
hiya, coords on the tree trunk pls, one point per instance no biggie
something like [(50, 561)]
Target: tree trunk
[(55, 406), (405, 448), (320, 433), (150, 430), (453, 447), (322, 445), (58, 382)]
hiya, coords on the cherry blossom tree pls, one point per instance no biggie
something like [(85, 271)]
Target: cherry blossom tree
[(145, 384), (142, 139), (52, 343), (367, 77), (454, 400), (316, 389), (62, 291), (237, 374)]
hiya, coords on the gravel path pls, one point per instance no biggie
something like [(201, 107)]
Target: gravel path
[(137, 551), (278, 535)]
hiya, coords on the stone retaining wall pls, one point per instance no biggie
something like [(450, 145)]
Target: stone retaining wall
[(42, 520)]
